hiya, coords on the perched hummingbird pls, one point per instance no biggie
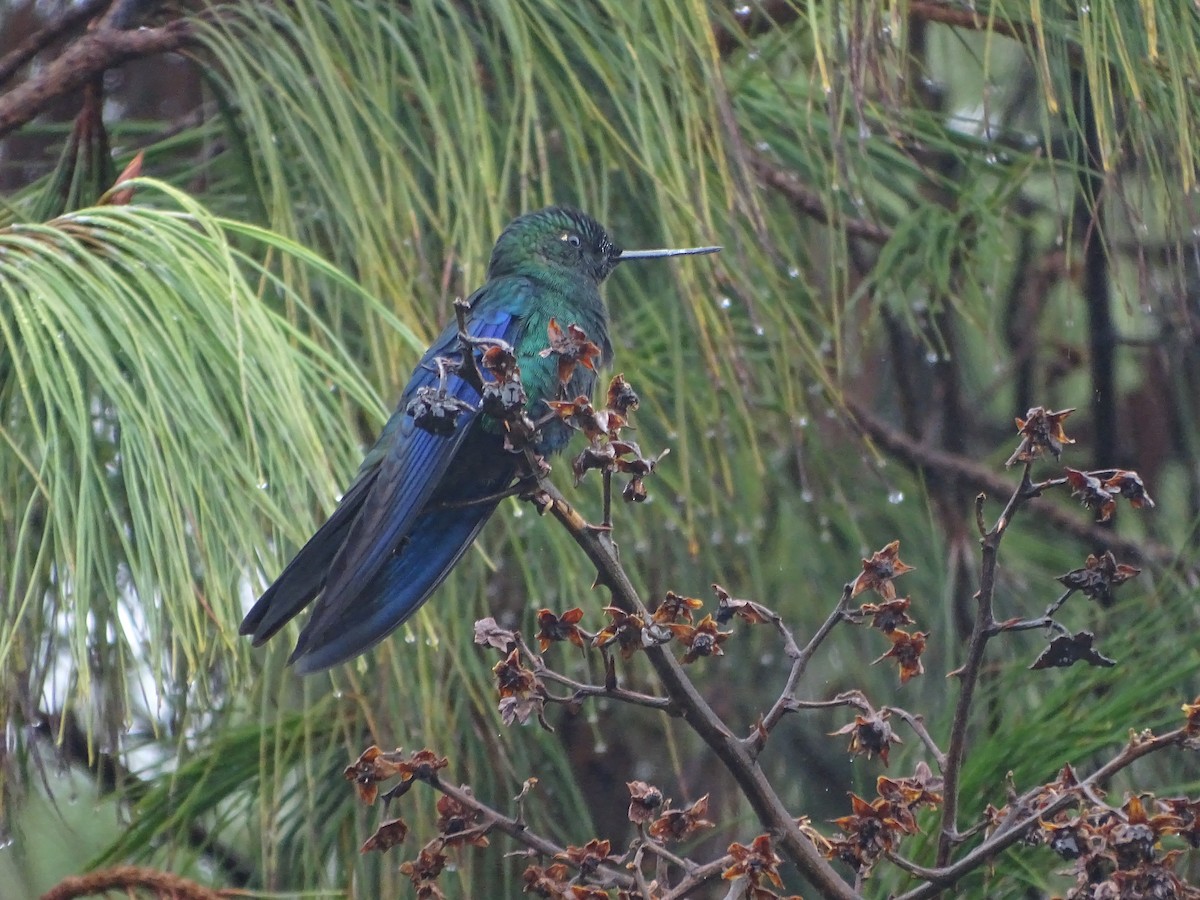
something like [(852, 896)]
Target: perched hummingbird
[(421, 495)]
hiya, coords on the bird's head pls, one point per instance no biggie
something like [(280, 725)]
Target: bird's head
[(566, 242)]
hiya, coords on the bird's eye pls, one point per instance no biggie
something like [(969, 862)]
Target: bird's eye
[(572, 239)]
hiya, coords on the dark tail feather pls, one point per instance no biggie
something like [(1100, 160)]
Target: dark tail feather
[(303, 578), (339, 632)]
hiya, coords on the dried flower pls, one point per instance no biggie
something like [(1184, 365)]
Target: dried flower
[(625, 628), (1091, 493), (870, 735), (386, 836), (747, 610), (424, 870), (702, 640), (1040, 431), (871, 831), (906, 650), (548, 882), (435, 411), (1066, 650), (754, 863), (889, 615), (588, 858), (572, 347), (878, 571), (621, 397), (1100, 574), (456, 822), (674, 607), (489, 634), (375, 765), (644, 801), (512, 678), (1129, 485), (678, 824), (553, 628)]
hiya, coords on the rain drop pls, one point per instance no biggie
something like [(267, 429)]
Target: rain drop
[(794, 273), (895, 497), (726, 303)]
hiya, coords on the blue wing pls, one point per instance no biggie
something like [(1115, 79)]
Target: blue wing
[(404, 522)]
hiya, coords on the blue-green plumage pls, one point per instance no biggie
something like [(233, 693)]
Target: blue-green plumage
[(411, 511)]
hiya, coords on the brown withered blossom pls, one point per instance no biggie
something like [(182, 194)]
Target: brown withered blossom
[(1134, 840), (918, 790), (818, 840), (625, 629), (879, 570), (489, 634), (871, 831), (644, 801), (520, 696), (572, 348), (435, 411), (621, 397), (386, 836), (1091, 493), (588, 858), (889, 615), (703, 639), (1100, 574), (678, 824), (1040, 431), (1192, 711), (582, 416), (755, 863), (551, 881), (503, 394), (512, 678), (424, 870), (375, 765), (1068, 649), (1129, 485), (906, 650), (747, 610), (565, 627), (673, 608), (1187, 812), (456, 822), (587, 892), (870, 735)]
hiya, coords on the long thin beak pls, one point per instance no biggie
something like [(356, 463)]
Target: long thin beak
[(658, 254)]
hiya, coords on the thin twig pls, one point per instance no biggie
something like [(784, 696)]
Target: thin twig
[(968, 674), (91, 55), (516, 829), (758, 738), (698, 877), (758, 790), (979, 478), (917, 724), (1013, 829), (72, 18)]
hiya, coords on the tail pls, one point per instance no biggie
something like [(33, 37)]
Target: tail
[(343, 628), (304, 576)]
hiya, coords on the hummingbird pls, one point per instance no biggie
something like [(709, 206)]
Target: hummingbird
[(421, 495)]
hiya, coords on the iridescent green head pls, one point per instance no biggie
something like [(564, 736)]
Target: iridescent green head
[(566, 242)]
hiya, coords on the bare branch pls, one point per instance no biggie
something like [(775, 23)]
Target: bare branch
[(94, 53)]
